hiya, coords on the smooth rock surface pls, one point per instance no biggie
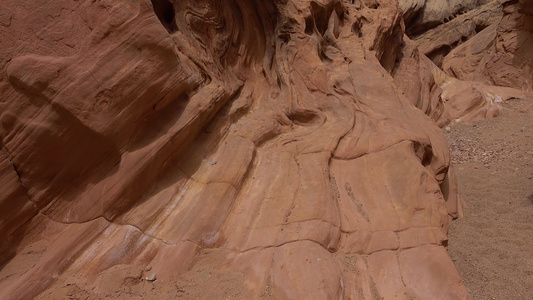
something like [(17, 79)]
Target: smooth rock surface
[(248, 148)]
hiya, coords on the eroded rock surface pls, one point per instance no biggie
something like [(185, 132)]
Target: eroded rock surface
[(503, 56), (273, 143), (422, 15), (437, 42)]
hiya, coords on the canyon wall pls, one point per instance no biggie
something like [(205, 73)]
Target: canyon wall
[(289, 149)]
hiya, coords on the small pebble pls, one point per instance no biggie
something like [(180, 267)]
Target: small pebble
[(151, 278)]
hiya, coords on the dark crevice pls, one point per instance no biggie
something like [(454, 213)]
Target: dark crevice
[(424, 153), (437, 55), (303, 117), (26, 190), (419, 29), (356, 28), (309, 25), (341, 13), (480, 27), (164, 10), (410, 23), (320, 15)]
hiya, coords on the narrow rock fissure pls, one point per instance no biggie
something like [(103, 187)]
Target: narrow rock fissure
[(25, 188), (164, 10)]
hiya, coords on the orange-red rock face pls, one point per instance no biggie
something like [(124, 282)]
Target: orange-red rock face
[(271, 139), (481, 50), (500, 54)]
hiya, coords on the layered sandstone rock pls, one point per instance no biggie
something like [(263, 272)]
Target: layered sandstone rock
[(272, 143), (422, 15), (442, 97), (483, 47), (437, 42), (501, 54)]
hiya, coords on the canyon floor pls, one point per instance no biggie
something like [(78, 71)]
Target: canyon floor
[(492, 246)]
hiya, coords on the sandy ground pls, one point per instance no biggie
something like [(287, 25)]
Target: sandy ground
[(208, 279), (492, 246)]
